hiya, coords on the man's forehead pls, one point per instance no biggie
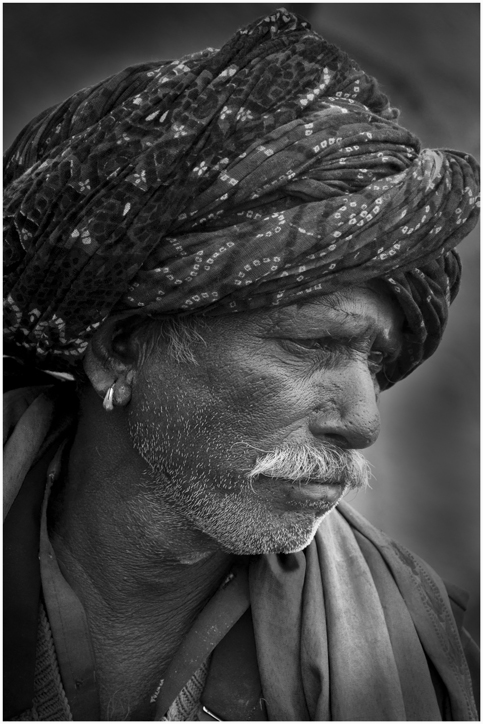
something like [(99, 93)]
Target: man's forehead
[(357, 306)]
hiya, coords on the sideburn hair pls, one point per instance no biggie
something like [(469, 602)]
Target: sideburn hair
[(178, 333)]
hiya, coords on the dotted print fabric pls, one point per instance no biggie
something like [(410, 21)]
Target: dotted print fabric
[(260, 174)]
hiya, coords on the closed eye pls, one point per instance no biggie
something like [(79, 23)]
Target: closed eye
[(329, 348), (310, 343), (320, 350)]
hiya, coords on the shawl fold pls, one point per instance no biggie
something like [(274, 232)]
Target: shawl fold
[(357, 628)]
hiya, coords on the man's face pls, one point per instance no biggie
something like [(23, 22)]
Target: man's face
[(294, 381)]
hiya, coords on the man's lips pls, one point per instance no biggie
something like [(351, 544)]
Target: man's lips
[(312, 490), (317, 491), (307, 489)]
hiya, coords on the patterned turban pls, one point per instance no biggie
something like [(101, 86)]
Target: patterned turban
[(257, 175)]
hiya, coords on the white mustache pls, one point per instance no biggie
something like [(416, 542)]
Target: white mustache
[(327, 464)]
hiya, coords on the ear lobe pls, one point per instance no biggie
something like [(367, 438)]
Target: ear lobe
[(107, 361)]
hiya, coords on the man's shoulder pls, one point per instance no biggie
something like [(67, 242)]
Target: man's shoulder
[(16, 402), (34, 419)]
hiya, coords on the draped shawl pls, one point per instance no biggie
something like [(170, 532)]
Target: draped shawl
[(352, 628), (260, 174)]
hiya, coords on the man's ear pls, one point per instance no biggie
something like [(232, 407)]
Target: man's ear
[(111, 362)]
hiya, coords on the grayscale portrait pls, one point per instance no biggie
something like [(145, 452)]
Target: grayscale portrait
[(241, 362)]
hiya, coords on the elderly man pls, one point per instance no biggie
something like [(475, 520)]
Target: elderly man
[(233, 254)]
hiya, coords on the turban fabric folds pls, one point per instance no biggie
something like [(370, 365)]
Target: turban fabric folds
[(260, 174)]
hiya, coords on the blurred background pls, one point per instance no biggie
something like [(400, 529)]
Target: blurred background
[(426, 55)]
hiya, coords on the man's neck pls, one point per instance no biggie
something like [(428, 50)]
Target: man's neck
[(142, 578)]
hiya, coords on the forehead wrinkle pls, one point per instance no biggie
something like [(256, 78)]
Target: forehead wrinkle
[(308, 314)]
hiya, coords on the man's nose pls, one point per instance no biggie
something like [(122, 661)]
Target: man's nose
[(349, 416)]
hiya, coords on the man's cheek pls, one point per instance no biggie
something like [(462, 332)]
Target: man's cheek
[(274, 410), (208, 465), (259, 397)]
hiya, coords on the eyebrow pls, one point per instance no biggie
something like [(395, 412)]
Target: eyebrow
[(300, 322), (287, 316)]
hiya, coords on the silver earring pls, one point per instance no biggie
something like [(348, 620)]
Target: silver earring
[(107, 402)]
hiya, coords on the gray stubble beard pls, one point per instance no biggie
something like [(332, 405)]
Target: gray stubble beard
[(231, 514)]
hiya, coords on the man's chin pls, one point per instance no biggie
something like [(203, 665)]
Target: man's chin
[(242, 523), (289, 533)]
